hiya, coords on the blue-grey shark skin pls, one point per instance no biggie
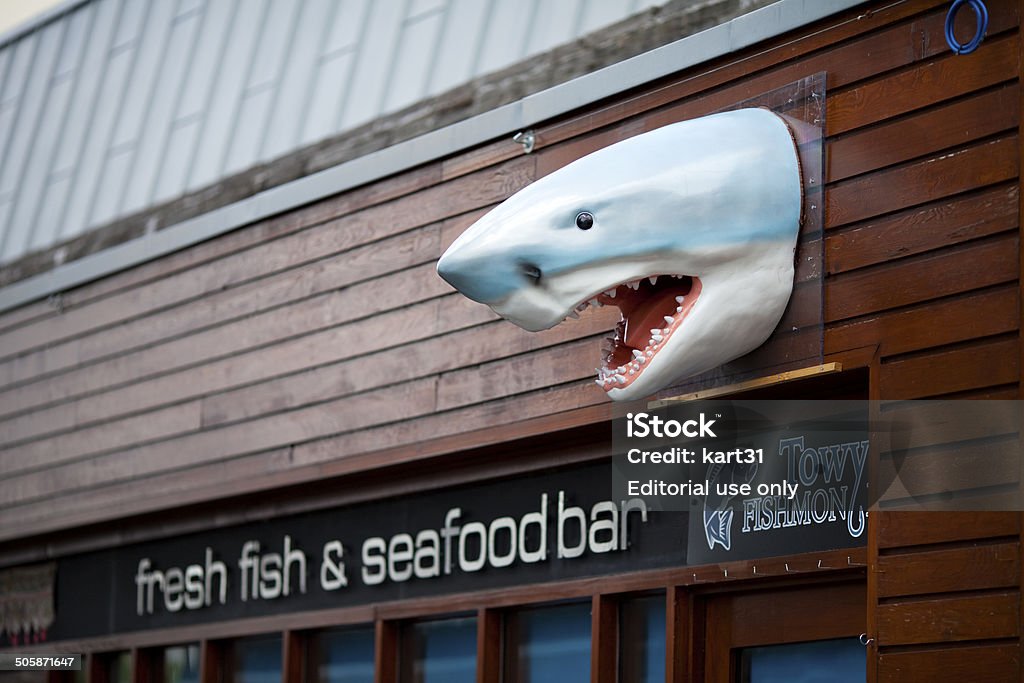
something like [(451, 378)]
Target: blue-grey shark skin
[(716, 198)]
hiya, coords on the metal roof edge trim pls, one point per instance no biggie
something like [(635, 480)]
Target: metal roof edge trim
[(736, 34)]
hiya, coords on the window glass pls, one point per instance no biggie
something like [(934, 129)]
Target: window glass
[(439, 651), (825, 661), (257, 660), (548, 644), (181, 664), (119, 667), (342, 656), (642, 639)]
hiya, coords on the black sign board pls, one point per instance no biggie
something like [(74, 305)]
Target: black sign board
[(541, 527), (553, 525)]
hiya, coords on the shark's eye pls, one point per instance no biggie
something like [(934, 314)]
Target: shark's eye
[(584, 220)]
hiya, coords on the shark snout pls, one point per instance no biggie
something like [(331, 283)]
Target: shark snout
[(488, 278), (458, 272), (513, 285)]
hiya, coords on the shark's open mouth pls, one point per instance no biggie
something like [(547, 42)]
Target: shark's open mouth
[(652, 310)]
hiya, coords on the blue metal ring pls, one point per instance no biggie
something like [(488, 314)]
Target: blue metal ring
[(980, 14)]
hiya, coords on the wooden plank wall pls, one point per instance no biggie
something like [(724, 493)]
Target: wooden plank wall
[(321, 341)]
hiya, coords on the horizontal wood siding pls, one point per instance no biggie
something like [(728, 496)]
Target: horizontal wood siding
[(978, 664), (284, 335), (321, 342), (972, 567), (923, 258), (948, 619)]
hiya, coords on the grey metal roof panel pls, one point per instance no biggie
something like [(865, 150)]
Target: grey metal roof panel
[(553, 24), (559, 99), (600, 13), (282, 134), (110, 106), (418, 43), (463, 34), (24, 137), (151, 147)]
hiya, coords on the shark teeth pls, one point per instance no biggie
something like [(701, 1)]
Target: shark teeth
[(634, 285), (583, 306), (611, 375)]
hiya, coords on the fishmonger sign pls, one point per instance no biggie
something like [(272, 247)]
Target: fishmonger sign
[(756, 478)]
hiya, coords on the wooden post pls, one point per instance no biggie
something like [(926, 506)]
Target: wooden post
[(871, 616), (95, 670), (604, 640), (682, 631), (144, 669), (385, 652), (1020, 320), (293, 659), (211, 664), (488, 646)]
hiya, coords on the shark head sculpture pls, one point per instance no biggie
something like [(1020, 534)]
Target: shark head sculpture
[(689, 230)]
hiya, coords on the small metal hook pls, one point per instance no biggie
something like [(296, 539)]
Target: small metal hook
[(788, 570), (527, 139), (851, 563), (864, 640), (696, 580), (56, 301)]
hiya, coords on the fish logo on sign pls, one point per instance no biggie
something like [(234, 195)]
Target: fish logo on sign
[(718, 528), (718, 512)]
